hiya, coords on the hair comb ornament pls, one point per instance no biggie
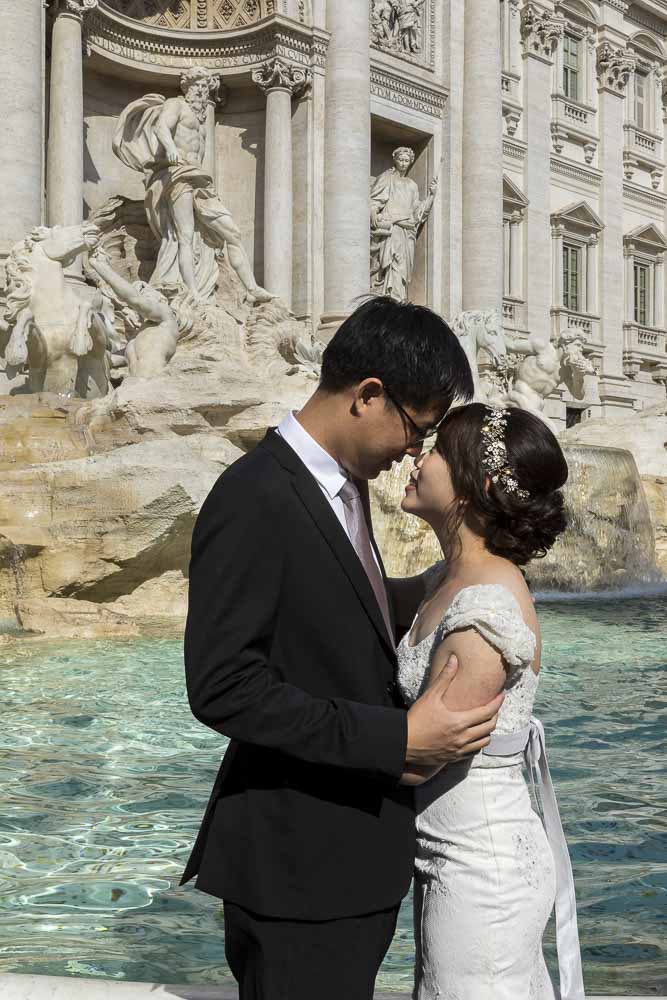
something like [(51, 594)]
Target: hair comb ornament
[(494, 430)]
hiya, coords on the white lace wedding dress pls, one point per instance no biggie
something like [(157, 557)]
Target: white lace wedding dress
[(485, 878)]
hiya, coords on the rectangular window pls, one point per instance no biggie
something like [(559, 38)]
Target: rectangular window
[(641, 294), (641, 117), (571, 67), (571, 262)]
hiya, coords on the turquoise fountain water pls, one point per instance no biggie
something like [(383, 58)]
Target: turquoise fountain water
[(104, 775)]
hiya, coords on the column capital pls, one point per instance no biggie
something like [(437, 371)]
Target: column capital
[(541, 31), (276, 74), (614, 68), (77, 7)]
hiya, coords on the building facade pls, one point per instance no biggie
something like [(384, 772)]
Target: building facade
[(542, 123)]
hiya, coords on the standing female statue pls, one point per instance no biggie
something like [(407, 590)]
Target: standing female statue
[(397, 216)]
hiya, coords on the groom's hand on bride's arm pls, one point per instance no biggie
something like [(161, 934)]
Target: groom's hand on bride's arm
[(439, 735)]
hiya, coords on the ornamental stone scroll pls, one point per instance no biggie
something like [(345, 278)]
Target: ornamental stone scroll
[(614, 68), (276, 74), (78, 7)]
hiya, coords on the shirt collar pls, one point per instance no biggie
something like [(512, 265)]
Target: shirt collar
[(319, 462)]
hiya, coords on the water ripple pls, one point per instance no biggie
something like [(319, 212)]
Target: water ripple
[(104, 776)]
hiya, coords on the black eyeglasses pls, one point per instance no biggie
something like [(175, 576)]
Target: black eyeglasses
[(420, 435)]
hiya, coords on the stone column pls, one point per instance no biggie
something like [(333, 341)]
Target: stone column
[(64, 185), (515, 255), (615, 67), (592, 275), (347, 166), (482, 158), (217, 96), (279, 81), (541, 32), (659, 292), (21, 122)]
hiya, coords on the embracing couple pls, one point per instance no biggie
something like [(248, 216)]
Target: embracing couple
[(354, 762)]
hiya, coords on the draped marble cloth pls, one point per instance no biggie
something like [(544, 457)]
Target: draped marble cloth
[(136, 144), (400, 213)]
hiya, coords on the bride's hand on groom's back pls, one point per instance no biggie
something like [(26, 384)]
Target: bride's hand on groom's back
[(438, 735)]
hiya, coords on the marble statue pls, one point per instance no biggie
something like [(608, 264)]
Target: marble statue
[(408, 18), (545, 366), (165, 138), (157, 324), (575, 366), (481, 334), (397, 217), (61, 337)]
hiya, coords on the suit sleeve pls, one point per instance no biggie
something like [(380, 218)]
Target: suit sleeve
[(236, 575)]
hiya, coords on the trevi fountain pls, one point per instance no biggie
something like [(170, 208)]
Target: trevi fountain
[(193, 196)]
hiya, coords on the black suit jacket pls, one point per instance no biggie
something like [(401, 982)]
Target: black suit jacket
[(286, 653)]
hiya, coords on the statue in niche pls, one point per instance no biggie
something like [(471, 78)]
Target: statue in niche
[(157, 324), (60, 337), (397, 24), (166, 140), (397, 217)]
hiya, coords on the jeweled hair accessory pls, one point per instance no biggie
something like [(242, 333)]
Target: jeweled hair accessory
[(494, 430)]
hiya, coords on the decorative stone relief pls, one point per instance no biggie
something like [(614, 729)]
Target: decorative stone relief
[(398, 90), (614, 67), (404, 27), (223, 15), (276, 74), (541, 30)]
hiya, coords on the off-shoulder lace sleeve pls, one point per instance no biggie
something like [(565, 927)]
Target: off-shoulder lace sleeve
[(493, 611)]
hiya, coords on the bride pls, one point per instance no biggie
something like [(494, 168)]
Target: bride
[(487, 870)]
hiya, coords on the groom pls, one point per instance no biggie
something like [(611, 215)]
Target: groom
[(290, 652)]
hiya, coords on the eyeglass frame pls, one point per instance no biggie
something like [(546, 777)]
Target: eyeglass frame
[(420, 434)]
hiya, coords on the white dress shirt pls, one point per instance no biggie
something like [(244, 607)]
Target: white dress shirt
[(326, 471)]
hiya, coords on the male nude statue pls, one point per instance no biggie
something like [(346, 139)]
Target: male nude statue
[(166, 139)]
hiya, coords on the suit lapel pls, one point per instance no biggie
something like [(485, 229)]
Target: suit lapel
[(313, 499)]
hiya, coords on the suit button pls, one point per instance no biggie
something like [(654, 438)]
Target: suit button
[(391, 688)]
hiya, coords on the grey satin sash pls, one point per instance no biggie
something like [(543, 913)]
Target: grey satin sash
[(531, 742)]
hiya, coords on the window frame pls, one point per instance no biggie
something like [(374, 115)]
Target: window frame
[(571, 247)]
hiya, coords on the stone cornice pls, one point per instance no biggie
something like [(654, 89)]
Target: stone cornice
[(576, 171), (648, 19), (515, 149), (411, 94), (652, 199), (119, 39)]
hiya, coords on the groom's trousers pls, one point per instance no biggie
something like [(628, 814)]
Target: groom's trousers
[(275, 959)]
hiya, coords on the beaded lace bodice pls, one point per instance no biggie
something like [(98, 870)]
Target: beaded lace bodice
[(493, 611)]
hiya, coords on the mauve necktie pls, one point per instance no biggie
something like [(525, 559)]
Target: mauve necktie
[(360, 538)]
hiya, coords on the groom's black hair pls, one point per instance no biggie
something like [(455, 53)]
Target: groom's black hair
[(409, 348)]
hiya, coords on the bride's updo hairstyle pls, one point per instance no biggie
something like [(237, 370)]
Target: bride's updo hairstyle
[(523, 521)]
